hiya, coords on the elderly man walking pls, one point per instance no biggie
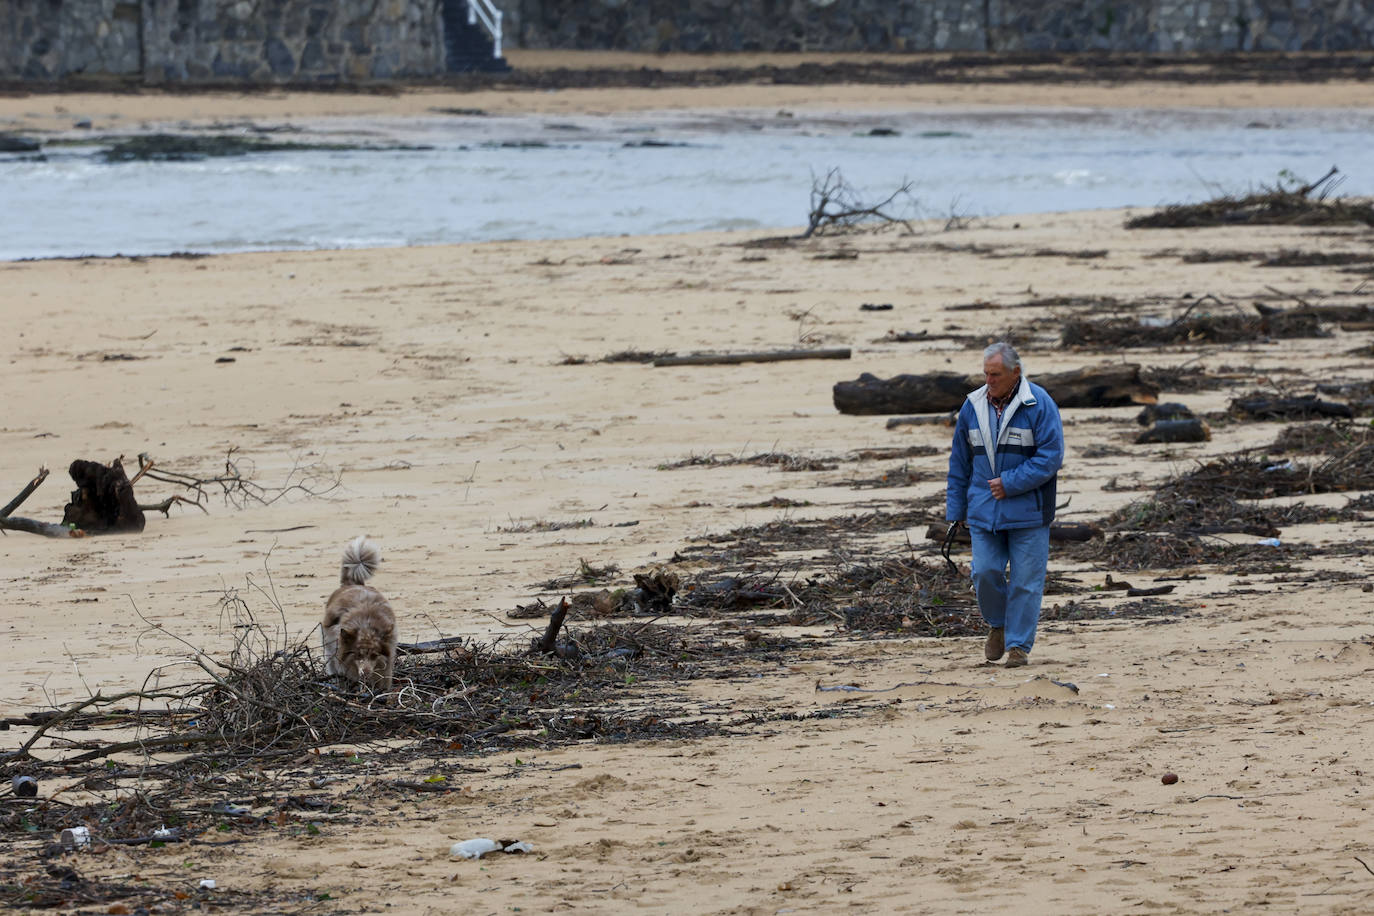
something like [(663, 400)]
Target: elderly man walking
[(1003, 468)]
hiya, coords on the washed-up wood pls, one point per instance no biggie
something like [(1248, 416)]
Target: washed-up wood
[(46, 529), (1149, 592), (1190, 430), (769, 356), (25, 493), (918, 337), (1260, 408), (9, 522), (902, 394), (1060, 532), (943, 419), (103, 500), (548, 643), (445, 644), (1112, 385)]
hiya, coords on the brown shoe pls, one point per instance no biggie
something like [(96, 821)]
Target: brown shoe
[(1017, 658), (992, 649)]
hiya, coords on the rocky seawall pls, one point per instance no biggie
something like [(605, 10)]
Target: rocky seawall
[(944, 25), (351, 41), (263, 41)]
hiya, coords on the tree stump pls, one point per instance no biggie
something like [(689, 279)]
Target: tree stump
[(103, 501)]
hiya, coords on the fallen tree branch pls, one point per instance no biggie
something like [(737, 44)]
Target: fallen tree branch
[(167, 504), (770, 356), (25, 493), (941, 419), (46, 529), (1060, 533), (548, 643), (836, 205), (97, 699), (237, 487)]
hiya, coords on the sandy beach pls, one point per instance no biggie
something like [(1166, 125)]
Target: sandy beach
[(455, 404)]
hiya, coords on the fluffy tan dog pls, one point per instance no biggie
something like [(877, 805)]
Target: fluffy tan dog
[(359, 629)]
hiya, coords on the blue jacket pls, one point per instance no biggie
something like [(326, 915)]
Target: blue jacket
[(1029, 449)]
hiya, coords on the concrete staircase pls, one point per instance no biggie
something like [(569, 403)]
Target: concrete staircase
[(472, 30)]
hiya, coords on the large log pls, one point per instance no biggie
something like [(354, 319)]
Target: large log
[(1301, 408), (1060, 533), (768, 356), (1111, 385), (902, 394)]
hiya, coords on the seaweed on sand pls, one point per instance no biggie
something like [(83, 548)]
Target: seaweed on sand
[(1221, 497), (849, 532), (780, 460), (1128, 551)]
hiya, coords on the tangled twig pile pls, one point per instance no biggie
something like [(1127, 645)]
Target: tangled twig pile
[(1305, 205), (1222, 325)]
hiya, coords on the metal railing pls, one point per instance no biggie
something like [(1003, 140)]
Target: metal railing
[(486, 11)]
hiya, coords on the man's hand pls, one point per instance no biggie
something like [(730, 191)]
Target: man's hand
[(998, 491)]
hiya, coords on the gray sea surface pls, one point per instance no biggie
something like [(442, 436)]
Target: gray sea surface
[(468, 178)]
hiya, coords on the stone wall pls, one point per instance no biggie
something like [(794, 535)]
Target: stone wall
[(40, 39), (283, 41), (943, 25), (324, 41)]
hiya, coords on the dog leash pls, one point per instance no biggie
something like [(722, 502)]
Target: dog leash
[(949, 542)]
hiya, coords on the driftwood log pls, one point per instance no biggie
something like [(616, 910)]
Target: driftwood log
[(939, 419), (1289, 408), (1113, 385), (1060, 533), (10, 522), (769, 356)]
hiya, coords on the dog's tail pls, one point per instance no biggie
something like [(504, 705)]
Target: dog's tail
[(360, 560)]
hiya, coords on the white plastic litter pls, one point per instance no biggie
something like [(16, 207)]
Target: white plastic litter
[(207, 883), (75, 838), (1271, 542), (474, 849)]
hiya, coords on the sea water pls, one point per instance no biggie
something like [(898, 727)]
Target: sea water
[(467, 178)]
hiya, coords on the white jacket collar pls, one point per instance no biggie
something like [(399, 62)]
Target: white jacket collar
[(1024, 395), (979, 399)]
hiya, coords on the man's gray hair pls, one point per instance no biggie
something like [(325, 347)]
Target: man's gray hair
[(1010, 361)]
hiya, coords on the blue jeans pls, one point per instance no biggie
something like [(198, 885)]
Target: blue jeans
[(1011, 602)]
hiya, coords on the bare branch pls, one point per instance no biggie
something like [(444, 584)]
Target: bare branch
[(236, 485), (837, 206), (24, 494)]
